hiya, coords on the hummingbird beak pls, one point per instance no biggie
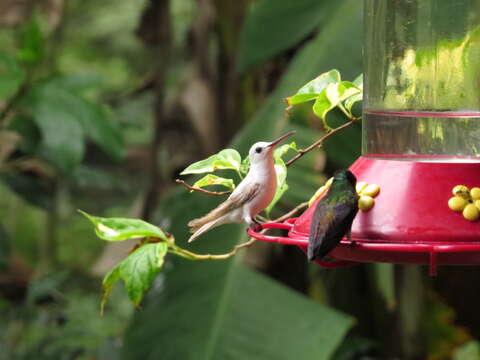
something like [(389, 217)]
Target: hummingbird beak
[(281, 138)]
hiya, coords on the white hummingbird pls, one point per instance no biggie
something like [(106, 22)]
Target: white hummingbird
[(252, 195)]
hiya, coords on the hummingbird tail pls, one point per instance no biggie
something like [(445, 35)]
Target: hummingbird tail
[(212, 216), (317, 252), (204, 228), (310, 254)]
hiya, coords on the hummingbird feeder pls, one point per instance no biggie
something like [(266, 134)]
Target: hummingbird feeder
[(420, 139)]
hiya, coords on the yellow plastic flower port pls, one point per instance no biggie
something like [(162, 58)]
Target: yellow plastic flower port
[(466, 201), (320, 191), (366, 193)]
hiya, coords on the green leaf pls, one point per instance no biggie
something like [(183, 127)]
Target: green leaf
[(300, 98), (210, 179), (30, 187), (137, 270), (78, 83), (245, 166), (52, 105), (281, 171), (348, 89), (99, 126), (4, 248), (273, 26), (11, 76), (352, 100), (25, 126), (468, 351), (62, 134), (355, 347), (335, 93), (358, 82), (322, 106), (234, 322), (317, 85), (314, 88), (332, 96), (281, 151), (62, 137), (225, 159), (118, 229), (282, 185), (31, 43)]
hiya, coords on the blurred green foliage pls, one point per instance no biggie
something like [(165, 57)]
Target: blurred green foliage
[(78, 113)]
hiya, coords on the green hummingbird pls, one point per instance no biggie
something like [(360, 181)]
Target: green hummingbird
[(333, 216)]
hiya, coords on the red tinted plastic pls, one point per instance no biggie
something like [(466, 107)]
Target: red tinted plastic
[(410, 222)]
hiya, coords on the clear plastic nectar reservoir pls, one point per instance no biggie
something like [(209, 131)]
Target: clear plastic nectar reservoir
[(422, 80)]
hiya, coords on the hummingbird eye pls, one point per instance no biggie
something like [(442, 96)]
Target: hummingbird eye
[(258, 150)]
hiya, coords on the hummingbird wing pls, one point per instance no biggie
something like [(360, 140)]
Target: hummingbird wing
[(330, 223), (240, 196)]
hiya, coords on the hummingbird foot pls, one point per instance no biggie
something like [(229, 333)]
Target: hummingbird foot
[(349, 238), (255, 225)]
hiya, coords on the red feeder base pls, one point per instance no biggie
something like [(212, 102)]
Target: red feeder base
[(410, 222)]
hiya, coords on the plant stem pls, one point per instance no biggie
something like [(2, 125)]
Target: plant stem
[(12, 102), (320, 141), (193, 256), (291, 212)]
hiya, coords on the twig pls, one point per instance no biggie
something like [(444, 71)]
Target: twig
[(291, 212), (193, 256), (12, 102), (319, 142), (284, 216), (214, 193)]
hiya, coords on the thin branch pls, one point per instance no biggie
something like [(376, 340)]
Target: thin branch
[(12, 102), (284, 216), (291, 212), (214, 193), (193, 256), (319, 142)]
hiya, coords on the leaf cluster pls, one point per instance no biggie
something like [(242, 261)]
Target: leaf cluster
[(329, 92), (48, 119), (139, 268), (230, 159)]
